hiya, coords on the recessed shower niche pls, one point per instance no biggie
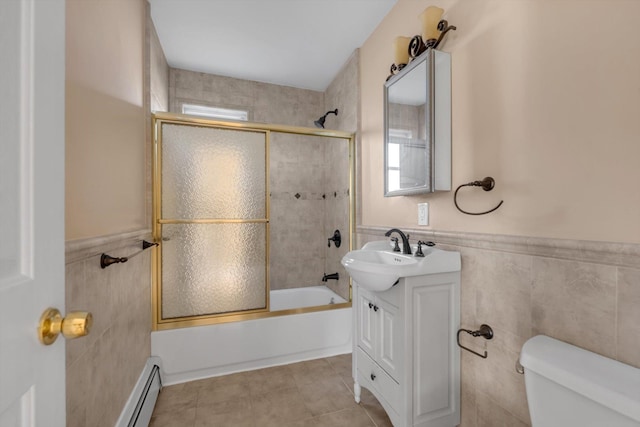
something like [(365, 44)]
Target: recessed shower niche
[(242, 210)]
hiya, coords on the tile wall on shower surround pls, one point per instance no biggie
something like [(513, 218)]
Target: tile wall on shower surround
[(266, 103), (297, 204), (343, 94), (584, 293)]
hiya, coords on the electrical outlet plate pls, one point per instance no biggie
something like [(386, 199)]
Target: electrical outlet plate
[(423, 213)]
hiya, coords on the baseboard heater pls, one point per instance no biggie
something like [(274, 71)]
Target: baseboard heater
[(139, 408)]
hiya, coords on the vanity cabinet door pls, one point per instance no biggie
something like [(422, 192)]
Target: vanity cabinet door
[(366, 328), (389, 343), (379, 330)]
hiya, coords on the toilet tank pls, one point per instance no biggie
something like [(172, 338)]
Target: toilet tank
[(568, 386)]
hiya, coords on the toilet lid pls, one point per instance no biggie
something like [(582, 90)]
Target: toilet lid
[(606, 381)]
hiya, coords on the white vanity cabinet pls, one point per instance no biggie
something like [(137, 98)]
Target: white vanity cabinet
[(378, 352), (405, 350)]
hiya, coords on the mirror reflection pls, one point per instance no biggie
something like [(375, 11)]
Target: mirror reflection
[(407, 152)]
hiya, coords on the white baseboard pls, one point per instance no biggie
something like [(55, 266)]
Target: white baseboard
[(139, 391)]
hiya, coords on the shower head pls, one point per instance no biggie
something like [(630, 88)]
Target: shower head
[(320, 122)]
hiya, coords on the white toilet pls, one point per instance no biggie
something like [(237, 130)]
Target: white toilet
[(571, 387)]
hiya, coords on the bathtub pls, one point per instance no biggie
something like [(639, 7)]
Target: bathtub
[(207, 351), (286, 299)]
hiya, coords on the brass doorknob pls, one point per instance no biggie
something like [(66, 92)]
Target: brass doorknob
[(74, 325)]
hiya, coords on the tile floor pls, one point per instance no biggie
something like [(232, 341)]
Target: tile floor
[(316, 393)]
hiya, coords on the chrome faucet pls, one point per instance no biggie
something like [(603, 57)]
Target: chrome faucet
[(406, 247)]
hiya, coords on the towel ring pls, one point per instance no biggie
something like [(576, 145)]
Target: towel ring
[(487, 184)]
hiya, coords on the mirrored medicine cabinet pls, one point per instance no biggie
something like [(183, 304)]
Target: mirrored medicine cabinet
[(417, 126)]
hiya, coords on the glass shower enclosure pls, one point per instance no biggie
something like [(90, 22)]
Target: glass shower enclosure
[(211, 215)]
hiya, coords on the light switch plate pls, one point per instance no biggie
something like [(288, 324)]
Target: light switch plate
[(423, 213)]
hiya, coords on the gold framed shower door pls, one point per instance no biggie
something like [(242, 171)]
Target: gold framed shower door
[(159, 119)]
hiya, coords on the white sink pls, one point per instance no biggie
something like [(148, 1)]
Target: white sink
[(377, 268)]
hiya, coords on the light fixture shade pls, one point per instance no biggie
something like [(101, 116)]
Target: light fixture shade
[(401, 45), (430, 18)]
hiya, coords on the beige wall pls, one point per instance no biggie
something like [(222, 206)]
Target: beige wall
[(552, 116), (105, 150), (546, 100), (105, 195)]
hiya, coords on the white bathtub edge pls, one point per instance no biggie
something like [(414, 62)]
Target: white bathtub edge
[(182, 377), (207, 351)]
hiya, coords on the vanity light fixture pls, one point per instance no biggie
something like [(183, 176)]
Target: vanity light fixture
[(433, 30), (401, 46), (430, 19)]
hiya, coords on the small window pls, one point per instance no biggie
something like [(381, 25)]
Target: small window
[(214, 112)]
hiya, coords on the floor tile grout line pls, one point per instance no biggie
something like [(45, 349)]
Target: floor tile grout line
[(370, 417)]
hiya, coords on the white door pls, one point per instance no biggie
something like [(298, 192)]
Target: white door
[(32, 376)]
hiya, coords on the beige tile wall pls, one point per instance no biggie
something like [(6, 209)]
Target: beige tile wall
[(343, 94), (266, 103), (103, 367), (298, 240), (336, 212), (584, 293), (317, 169)]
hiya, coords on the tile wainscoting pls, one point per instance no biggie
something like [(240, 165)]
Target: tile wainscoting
[(584, 293), (103, 367)]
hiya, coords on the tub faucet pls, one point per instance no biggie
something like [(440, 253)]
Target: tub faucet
[(334, 276), (406, 247)]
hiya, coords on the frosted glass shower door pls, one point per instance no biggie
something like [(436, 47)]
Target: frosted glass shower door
[(213, 220)]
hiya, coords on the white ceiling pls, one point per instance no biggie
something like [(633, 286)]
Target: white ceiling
[(299, 43)]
